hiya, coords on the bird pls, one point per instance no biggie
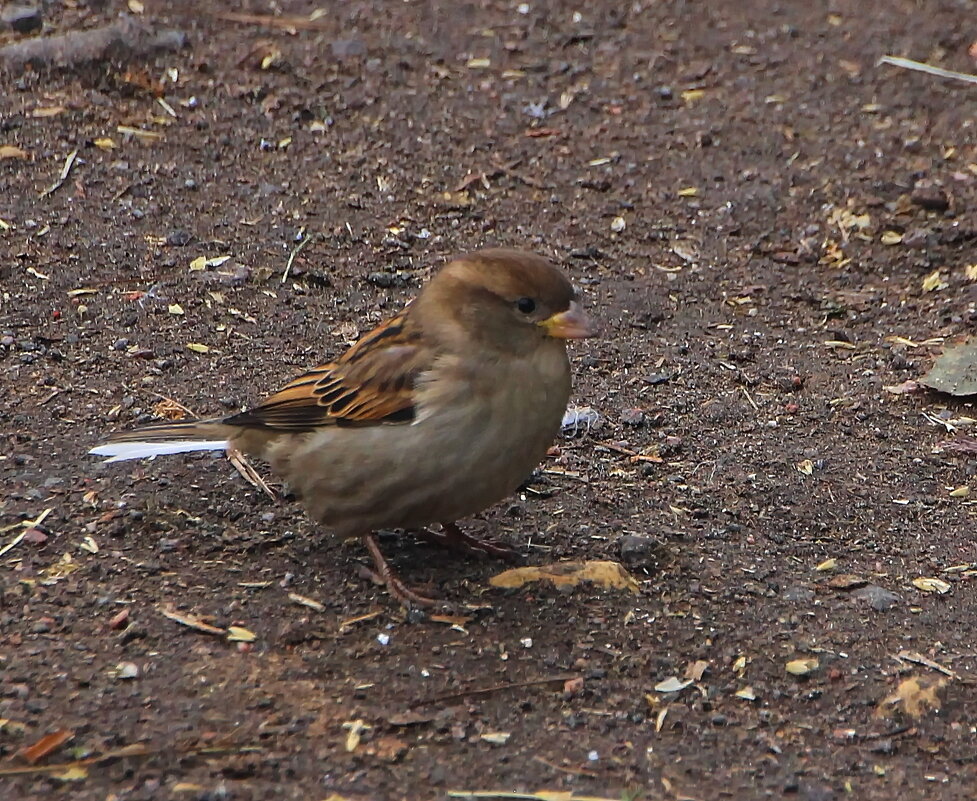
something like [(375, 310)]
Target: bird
[(435, 415)]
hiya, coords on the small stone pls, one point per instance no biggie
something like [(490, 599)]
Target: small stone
[(179, 238), (34, 536), (119, 620), (879, 598), (929, 196), (347, 48), (636, 549), (23, 19), (799, 594), (632, 417), (916, 238), (237, 275), (385, 280), (127, 670)]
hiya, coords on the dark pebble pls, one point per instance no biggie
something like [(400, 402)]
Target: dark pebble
[(23, 19), (879, 598), (179, 238)]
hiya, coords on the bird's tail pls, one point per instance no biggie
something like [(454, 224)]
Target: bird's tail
[(165, 438)]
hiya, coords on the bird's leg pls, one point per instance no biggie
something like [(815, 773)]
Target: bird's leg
[(451, 536), (386, 575)]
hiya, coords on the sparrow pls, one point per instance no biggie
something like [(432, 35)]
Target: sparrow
[(438, 413)]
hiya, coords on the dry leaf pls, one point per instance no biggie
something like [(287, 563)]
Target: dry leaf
[(955, 371), (47, 111), (196, 347), (309, 602), (826, 565), (46, 745), (933, 281), (915, 697), (672, 684), (240, 634), (847, 581), (891, 238), (696, 670), (746, 694), (924, 584), (496, 737), (191, 622), (64, 567), (72, 773), (569, 574), (12, 152), (802, 667), (356, 728)]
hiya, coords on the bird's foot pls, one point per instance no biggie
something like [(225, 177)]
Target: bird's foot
[(451, 536), (384, 574)]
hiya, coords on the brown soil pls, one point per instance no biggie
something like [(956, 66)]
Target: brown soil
[(749, 310)]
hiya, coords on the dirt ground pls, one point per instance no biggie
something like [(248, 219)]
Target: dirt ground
[(772, 230)]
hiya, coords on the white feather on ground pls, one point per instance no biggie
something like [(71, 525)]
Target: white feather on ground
[(120, 451)]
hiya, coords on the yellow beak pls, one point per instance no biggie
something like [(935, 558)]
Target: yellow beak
[(570, 324)]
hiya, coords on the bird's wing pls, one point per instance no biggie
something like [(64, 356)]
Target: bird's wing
[(371, 384)]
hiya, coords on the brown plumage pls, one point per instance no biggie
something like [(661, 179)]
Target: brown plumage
[(436, 414)]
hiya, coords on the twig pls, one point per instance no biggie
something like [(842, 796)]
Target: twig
[(752, 402), (65, 171), (122, 753), (561, 768), (26, 525), (561, 677), (270, 21), (543, 795), (291, 258), (919, 659), (929, 69)]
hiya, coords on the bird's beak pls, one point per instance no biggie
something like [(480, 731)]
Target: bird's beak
[(570, 324)]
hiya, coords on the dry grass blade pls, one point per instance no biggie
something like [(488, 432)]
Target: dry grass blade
[(122, 753), (271, 21), (192, 622), (65, 172), (559, 679), (248, 473), (929, 69)]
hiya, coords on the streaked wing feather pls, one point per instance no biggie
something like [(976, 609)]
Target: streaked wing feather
[(372, 383)]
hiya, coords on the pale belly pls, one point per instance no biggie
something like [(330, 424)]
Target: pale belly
[(462, 455)]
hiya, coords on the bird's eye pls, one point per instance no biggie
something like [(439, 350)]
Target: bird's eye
[(526, 305)]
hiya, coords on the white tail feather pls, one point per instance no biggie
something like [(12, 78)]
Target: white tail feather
[(120, 451)]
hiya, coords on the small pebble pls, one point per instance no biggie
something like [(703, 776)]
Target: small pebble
[(879, 598), (23, 19)]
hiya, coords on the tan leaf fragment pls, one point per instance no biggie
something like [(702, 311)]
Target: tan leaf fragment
[(191, 622), (915, 696), (12, 152), (926, 584), (802, 667), (240, 634), (611, 575)]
